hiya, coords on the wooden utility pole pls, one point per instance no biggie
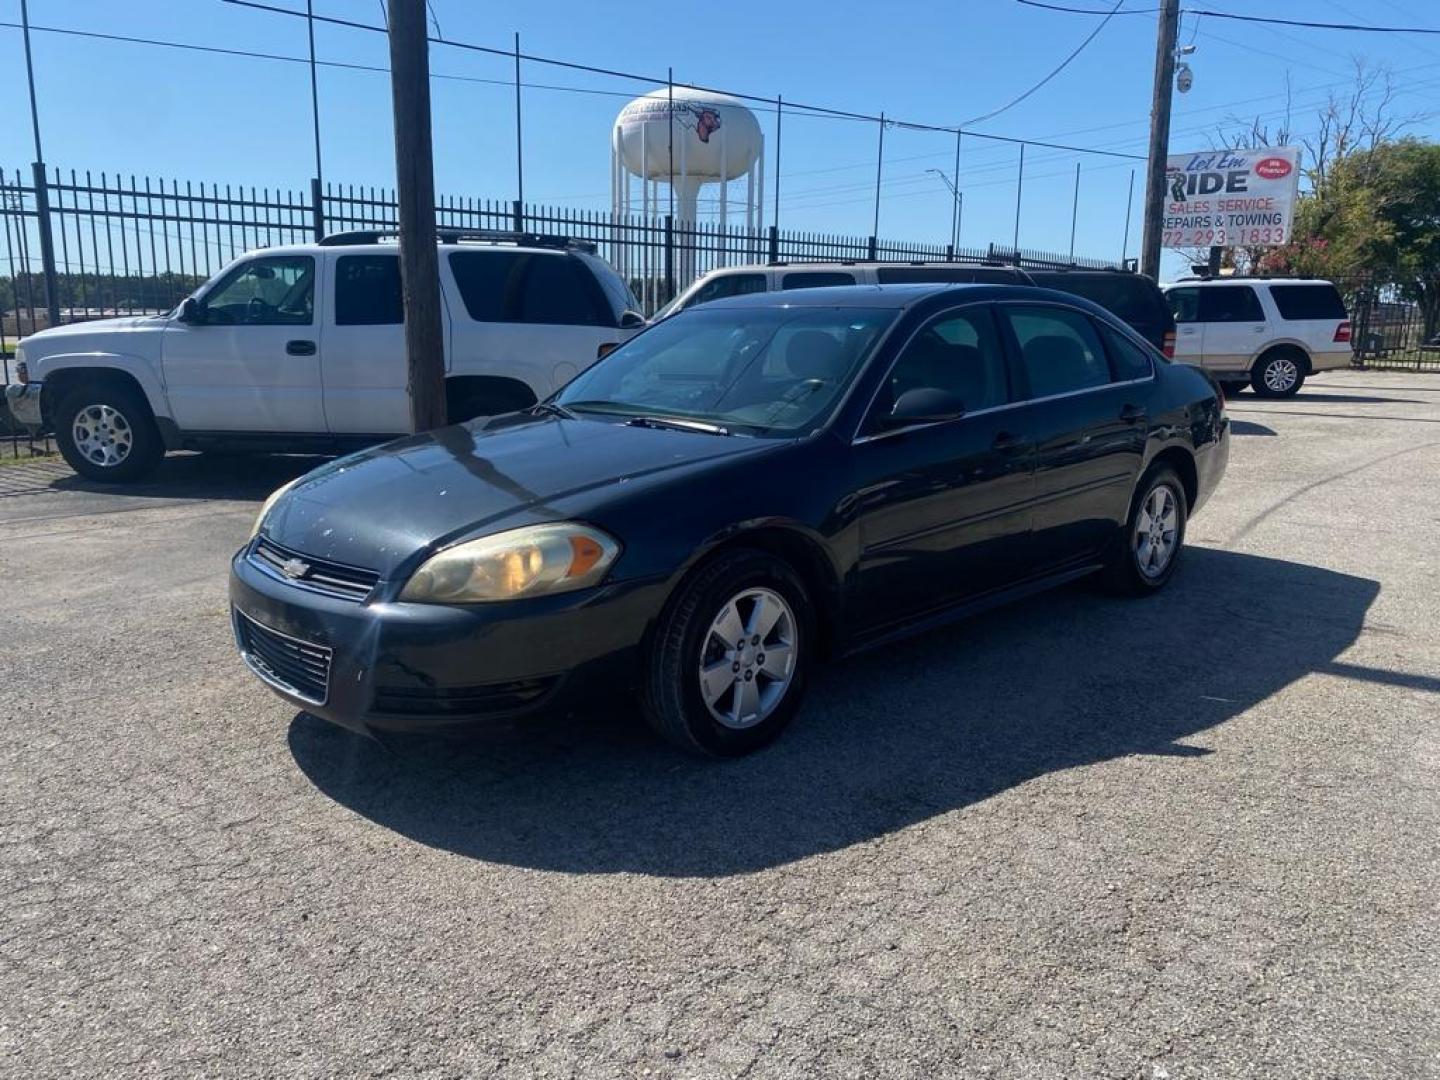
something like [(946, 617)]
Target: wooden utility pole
[(415, 176), (1155, 193)]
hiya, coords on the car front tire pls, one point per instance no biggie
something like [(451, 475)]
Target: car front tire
[(727, 668), (106, 432), (1146, 552)]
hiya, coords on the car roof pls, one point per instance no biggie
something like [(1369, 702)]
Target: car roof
[(891, 296)]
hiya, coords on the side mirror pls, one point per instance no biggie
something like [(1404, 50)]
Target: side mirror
[(631, 320), (925, 404), (192, 311)]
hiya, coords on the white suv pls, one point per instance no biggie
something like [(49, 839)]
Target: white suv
[(1269, 333), (302, 347)]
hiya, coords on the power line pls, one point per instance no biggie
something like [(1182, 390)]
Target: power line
[(1267, 19), (656, 81), (1056, 71)]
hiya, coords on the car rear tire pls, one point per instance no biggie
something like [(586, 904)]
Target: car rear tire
[(727, 668), (1147, 550), (106, 432), (1279, 373)]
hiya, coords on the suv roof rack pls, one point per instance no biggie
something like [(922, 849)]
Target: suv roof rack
[(455, 236), (1254, 277)]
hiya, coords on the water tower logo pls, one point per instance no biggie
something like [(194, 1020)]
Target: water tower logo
[(690, 115)]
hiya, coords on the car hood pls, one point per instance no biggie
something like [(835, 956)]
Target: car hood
[(72, 337), (377, 508)]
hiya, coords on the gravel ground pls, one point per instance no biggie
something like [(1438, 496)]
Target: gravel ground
[(1079, 837)]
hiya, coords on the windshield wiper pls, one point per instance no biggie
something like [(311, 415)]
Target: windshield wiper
[(551, 408), (675, 423)]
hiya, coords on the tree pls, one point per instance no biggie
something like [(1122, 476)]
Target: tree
[(1376, 217)]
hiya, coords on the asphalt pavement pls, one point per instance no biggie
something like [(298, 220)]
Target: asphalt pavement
[(1191, 836)]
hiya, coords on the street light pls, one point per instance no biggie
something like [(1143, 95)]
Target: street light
[(959, 197)]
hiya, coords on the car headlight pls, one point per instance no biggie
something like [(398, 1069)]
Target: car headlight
[(270, 501), (534, 561)]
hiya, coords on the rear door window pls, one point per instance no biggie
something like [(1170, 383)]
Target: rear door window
[(816, 279), (1230, 303), (1059, 349), (1308, 302), (1128, 359), (367, 291)]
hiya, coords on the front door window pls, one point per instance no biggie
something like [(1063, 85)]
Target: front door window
[(277, 290)]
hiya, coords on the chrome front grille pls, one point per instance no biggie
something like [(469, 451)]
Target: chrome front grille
[(300, 668), (307, 572)]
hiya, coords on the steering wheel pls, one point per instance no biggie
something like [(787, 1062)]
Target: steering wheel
[(255, 308)]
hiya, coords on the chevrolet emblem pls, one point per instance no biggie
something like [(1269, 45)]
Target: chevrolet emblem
[(295, 568)]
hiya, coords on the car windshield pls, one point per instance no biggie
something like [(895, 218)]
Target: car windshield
[(773, 370)]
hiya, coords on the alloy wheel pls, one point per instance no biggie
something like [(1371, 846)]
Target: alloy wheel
[(1281, 375), (1156, 531), (102, 435), (747, 661)]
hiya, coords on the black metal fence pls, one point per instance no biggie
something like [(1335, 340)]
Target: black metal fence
[(1388, 328), (83, 245)]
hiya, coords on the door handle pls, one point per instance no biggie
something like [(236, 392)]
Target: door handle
[(300, 348), (1007, 440), (1259, 329), (1132, 414)]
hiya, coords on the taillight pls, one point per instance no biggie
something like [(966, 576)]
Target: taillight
[(1168, 348), (1342, 332)]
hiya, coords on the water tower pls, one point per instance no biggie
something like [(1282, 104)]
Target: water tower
[(703, 138)]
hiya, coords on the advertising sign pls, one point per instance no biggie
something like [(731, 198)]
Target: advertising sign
[(1231, 198)]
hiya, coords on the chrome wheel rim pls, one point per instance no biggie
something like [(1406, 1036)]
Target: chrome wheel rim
[(1157, 531), (102, 435), (747, 661), (1280, 374)]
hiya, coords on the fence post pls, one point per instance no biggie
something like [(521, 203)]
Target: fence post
[(949, 252), (669, 257), (47, 244), (517, 214), (774, 244), (317, 209), (874, 248), (990, 252)]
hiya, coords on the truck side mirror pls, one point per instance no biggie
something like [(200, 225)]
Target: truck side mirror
[(631, 320), (192, 311)]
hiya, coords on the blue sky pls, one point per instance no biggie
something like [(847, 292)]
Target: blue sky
[(164, 112)]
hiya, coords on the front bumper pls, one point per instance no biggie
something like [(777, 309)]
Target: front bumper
[(23, 400), (393, 666)]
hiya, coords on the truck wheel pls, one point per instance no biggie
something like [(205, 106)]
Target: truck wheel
[(106, 432), (1279, 373)]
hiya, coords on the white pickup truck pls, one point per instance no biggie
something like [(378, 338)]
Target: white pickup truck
[(302, 348)]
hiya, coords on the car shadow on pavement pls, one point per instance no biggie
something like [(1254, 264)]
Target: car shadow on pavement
[(1249, 427), (206, 476), (886, 739)]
